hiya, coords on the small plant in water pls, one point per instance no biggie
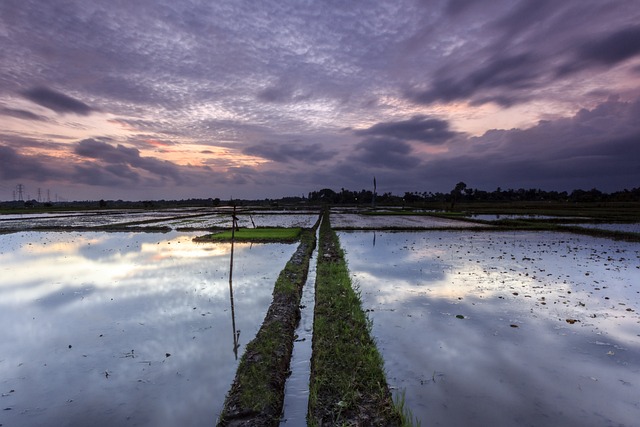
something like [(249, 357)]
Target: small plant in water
[(408, 420)]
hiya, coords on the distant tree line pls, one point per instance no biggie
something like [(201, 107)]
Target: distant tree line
[(462, 193)]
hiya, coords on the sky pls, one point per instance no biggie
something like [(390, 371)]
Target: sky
[(179, 99)]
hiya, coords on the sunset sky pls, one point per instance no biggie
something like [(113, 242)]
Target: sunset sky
[(175, 99)]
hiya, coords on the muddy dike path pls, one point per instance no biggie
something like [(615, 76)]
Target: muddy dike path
[(256, 396), (347, 384)]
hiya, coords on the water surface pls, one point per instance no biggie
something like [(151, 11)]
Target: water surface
[(505, 328), (125, 328)]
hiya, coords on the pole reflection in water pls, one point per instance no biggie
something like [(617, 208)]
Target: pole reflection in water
[(236, 334)]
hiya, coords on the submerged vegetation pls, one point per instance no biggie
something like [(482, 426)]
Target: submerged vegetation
[(348, 384)]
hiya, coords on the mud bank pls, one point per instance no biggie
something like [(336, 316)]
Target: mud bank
[(256, 396)]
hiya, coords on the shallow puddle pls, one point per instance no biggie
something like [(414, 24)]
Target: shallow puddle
[(125, 328), (296, 394), (507, 328)]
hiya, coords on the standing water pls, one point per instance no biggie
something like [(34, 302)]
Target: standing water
[(131, 329), (296, 393), (505, 329)]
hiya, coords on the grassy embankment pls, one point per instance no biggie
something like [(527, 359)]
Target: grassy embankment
[(348, 384), (256, 396)]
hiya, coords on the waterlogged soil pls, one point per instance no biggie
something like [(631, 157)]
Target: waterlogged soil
[(505, 328), (127, 328)]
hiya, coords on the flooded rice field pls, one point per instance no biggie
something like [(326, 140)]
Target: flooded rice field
[(244, 220), (475, 327), (351, 220), (504, 328), (183, 219), (125, 328)]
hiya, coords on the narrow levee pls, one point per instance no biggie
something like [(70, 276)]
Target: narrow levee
[(256, 396), (348, 384), (296, 395)]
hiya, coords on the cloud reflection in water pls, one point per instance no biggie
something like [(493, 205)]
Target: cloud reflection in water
[(512, 359), (124, 329)]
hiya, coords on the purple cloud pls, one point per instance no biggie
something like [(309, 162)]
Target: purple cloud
[(418, 128), (21, 114), (287, 152), (56, 101), (385, 153), (125, 158), (14, 166)]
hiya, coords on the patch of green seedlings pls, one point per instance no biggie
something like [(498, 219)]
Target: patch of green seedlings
[(348, 384), (257, 394), (260, 235)]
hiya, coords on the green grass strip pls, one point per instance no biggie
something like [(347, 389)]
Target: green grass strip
[(269, 235), (256, 396), (348, 384)]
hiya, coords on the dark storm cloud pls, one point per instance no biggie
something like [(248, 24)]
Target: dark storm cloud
[(108, 176), (527, 47), (385, 153), (599, 147), (287, 152), (509, 75), (56, 101), (14, 165), (418, 128), (21, 114), (613, 48), (608, 50), (124, 158)]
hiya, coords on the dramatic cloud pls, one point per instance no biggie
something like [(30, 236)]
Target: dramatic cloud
[(613, 48), (385, 153), (417, 128), (594, 148), (120, 160), (21, 114), (14, 165), (609, 50), (157, 98), (510, 74), (286, 152), (56, 101)]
